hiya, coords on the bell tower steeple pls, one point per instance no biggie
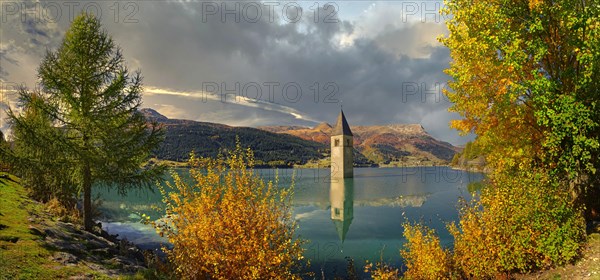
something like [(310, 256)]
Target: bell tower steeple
[(342, 149)]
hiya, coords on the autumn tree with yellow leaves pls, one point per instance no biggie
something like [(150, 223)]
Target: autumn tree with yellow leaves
[(525, 81), (229, 224)]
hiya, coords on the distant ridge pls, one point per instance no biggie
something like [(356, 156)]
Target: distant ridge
[(385, 145), (407, 144), (153, 115), (323, 127)]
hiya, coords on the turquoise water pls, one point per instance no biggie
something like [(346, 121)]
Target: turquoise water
[(358, 218)]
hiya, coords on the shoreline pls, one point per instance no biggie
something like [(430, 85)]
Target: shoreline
[(35, 244), (178, 164)]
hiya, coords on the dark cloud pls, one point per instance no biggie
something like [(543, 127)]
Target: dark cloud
[(5, 55), (32, 27), (381, 76)]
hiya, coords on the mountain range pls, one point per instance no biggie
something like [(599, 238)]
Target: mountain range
[(393, 144), (383, 145)]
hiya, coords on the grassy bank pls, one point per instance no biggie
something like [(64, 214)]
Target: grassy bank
[(34, 245), (23, 254)]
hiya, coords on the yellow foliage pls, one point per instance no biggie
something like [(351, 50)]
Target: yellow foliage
[(382, 271), (424, 256), (533, 4), (58, 209), (517, 83), (492, 81), (519, 224), (230, 224)]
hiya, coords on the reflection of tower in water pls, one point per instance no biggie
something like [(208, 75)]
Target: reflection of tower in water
[(341, 197)]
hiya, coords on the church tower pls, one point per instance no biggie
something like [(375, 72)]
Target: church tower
[(341, 149)]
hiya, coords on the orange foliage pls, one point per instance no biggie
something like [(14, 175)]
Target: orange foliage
[(230, 224), (424, 256)]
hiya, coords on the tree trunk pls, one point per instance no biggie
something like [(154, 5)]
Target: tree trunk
[(87, 198)]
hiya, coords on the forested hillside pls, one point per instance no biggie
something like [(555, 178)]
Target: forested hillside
[(208, 139)]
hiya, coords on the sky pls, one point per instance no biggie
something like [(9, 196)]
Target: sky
[(258, 63)]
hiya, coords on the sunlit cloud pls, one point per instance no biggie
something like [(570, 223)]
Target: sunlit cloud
[(205, 97)]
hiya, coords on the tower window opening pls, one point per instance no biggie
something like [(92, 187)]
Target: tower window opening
[(337, 142)]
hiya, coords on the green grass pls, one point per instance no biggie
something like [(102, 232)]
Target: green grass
[(22, 255)]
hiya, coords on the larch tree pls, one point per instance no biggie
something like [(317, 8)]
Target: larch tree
[(41, 166), (91, 101)]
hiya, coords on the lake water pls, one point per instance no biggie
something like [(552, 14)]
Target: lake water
[(358, 218)]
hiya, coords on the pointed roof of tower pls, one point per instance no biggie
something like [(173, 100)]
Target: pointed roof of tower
[(342, 226), (341, 126)]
